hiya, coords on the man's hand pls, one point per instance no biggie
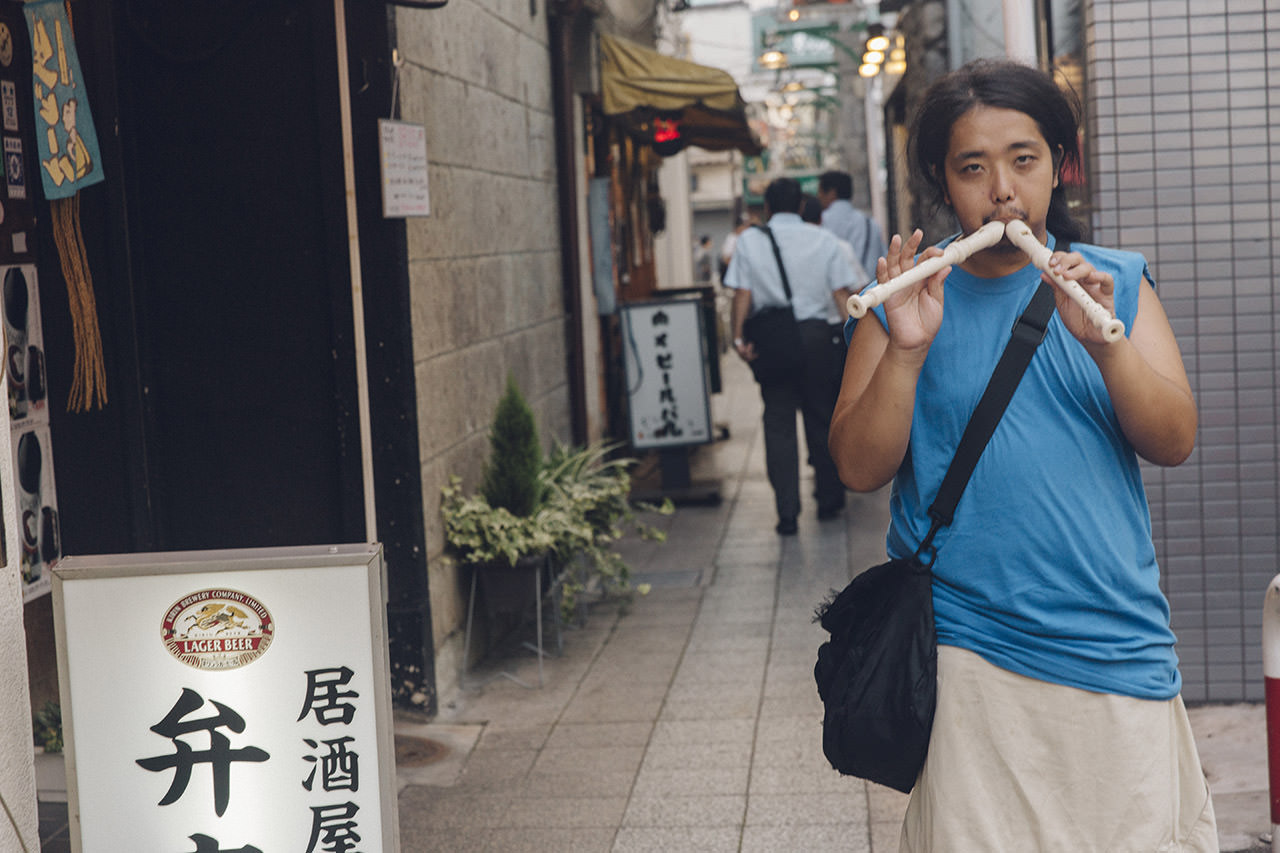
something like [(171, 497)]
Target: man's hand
[(915, 313)]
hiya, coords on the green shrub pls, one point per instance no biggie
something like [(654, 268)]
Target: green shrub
[(511, 479), (47, 727)]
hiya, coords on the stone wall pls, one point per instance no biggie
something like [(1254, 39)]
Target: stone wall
[(1186, 170), (486, 287)]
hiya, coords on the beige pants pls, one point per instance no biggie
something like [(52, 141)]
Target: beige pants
[(1021, 765)]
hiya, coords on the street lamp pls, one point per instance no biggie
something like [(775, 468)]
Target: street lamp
[(773, 60)]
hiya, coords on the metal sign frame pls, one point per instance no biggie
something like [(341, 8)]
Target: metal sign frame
[(231, 629)]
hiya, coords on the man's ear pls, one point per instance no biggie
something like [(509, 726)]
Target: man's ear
[(941, 181)]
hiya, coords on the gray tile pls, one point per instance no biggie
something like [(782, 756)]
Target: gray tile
[(679, 840), (734, 708), (619, 707), (665, 812), (589, 759), (575, 785), (801, 703), (426, 839), (726, 692), (704, 756), (501, 735), (424, 808), (694, 732), (691, 781), (845, 809), (797, 780), (565, 812), (526, 840), (847, 838), (591, 734), (496, 770)]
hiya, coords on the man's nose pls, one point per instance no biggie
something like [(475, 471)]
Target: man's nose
[(1002, 185)]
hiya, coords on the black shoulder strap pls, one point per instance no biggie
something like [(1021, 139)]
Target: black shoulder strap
[(777, 253), (1027, 334)]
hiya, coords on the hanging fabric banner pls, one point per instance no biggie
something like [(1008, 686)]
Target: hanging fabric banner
[(65, 136)]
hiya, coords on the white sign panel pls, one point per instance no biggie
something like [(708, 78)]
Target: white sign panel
[(666, 373), (227, 700), (403, 155)]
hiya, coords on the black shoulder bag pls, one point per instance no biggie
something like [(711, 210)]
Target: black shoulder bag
[(775, 333), (877, 675)]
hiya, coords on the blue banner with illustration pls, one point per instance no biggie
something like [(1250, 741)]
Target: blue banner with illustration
[(65, 138)]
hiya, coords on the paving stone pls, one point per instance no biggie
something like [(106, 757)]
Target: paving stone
[(667, 812), (714, 839)]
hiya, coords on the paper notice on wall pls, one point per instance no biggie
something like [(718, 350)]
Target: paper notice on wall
[(402, 153)]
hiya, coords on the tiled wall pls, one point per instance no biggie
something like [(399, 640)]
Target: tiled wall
[(1184, 135)]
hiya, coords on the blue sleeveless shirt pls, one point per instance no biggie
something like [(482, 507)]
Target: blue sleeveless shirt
[(1048, 569)]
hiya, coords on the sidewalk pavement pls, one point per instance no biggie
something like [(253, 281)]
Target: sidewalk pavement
[(687, 719)]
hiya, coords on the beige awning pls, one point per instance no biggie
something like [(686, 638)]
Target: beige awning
[(641, 84)]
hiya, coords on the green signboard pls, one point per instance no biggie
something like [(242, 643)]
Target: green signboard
[(804, 45)]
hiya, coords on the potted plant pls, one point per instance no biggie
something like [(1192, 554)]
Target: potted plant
[(563, 513), (508, 530), (594, 486)]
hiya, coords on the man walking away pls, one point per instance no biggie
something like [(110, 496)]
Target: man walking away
[(840, 217), (818, 276), (702, 260)]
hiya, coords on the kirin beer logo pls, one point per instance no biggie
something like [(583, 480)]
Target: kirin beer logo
[(217, 629)]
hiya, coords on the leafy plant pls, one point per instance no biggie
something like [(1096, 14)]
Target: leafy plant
[(47, 727), (574, 506), (596, 489), (515, 459), (478, 533)]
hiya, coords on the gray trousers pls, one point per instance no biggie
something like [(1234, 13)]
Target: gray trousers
[(814, 393)]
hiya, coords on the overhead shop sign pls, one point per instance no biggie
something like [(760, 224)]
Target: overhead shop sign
[(230, 700), (802, 44)]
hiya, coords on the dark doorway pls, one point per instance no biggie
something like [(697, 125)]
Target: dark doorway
[(219, 250)]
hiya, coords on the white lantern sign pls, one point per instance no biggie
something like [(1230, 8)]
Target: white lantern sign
[(227, 701)]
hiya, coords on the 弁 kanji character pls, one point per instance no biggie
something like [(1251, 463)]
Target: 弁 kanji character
[(219, 755)]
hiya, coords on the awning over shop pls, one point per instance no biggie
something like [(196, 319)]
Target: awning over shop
[(645, 89)]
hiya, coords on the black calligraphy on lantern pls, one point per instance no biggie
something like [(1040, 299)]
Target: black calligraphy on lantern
[(335, 765), (219, 756), (665, 360), (324, 695), (205, 844), (339, 768), (334, 828)]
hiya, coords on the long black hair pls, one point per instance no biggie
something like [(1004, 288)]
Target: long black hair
[(1005, 85)]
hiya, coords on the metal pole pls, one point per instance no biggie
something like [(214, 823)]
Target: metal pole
[(1271, 674)]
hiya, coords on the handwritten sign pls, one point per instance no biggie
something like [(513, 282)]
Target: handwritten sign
[(402, 150), (666, 373)]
